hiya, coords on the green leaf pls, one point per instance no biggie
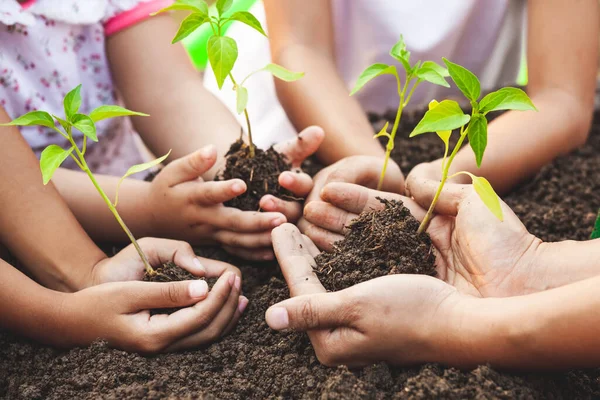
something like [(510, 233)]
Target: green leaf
[(198, 6), (41, 118), (138, 168), (373, 71), (478, 136), (596, 231), (85, 125), (446, 116), (189, 25), (222, 54), (444, 135), (383, 131), (487, 194), (507, 98), (466, 81), (436, 67), (284, 74), (62, 122), (400, 53), (248, 19), (241, 99), (72, 102), (105, 112), (52, 157), (223, 6), (431, 75)]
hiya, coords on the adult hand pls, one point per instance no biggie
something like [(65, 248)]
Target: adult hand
[(400, 319), (118, 313), (186, 207), (360, 170)]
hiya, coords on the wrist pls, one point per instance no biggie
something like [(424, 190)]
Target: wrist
[(566, 262)]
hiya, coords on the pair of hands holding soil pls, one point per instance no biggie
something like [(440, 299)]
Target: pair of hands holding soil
[(403, 318)]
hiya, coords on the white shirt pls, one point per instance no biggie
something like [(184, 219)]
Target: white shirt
[(483, 35)]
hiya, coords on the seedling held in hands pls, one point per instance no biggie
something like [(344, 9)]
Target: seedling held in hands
[(223, 50), (447, 115), (53, 156), (427, 71)]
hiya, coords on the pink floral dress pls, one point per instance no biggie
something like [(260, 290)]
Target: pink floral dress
[(48, 47)]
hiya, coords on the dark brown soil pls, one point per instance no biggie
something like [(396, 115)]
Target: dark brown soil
[(257, 363), (168, 272), (261, 174), (378, 243)]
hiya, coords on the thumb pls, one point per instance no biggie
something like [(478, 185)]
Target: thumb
[(148, 295), (423, 189), (315, 311), (190, 167)]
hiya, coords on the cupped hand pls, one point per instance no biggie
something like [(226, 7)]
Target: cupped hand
[(475, 252), (396, 318), (186, 207), (295, 150), (118, 313), (360, 170)]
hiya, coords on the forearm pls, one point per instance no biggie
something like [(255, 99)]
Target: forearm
[(520, 143), (555, 329), (157, 78), (92, 212), (321, 98)]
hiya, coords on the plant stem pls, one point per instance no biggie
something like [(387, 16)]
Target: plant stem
[(149, 270), (251, 142), (425, 223)]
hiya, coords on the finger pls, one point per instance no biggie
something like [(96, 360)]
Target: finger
[(328, 217), (212, 193), (216, 327), (423, 190), (295, 260), (161, 251), (291, 209), (190, 167), (322, 238), (312, 248), (236, 220), (298, 183), (305, 144), (357, 199), (308, 312), (242, 305), (264, 254), (187, 320), (244, 240), (216, 268), (137, 296)]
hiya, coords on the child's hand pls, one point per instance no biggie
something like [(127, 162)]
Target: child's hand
[(118, 313), (185, 207), (127, 265), (360, 170), (296, 151)]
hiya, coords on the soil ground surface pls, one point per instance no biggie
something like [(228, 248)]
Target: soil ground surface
[(257, 363)]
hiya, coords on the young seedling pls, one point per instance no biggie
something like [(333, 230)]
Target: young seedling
[(596, 231), (415, 74), (447, 115), (223, 50), (53, 156)]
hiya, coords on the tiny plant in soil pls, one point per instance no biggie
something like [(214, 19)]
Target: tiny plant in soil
[(223, 50), (445, 116), (53, 156), (415, 74)]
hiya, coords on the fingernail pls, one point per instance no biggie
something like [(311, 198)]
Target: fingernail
[(198, 289), (268, 205), (286, 179), (238, 283), (199, 266), (207, 151), (237, 187), (277, 221), (231, 279), (242, 304), (278, 318)]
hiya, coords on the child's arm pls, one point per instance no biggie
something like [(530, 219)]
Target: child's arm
[(112, 312), (562, 65), (301, 38)]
